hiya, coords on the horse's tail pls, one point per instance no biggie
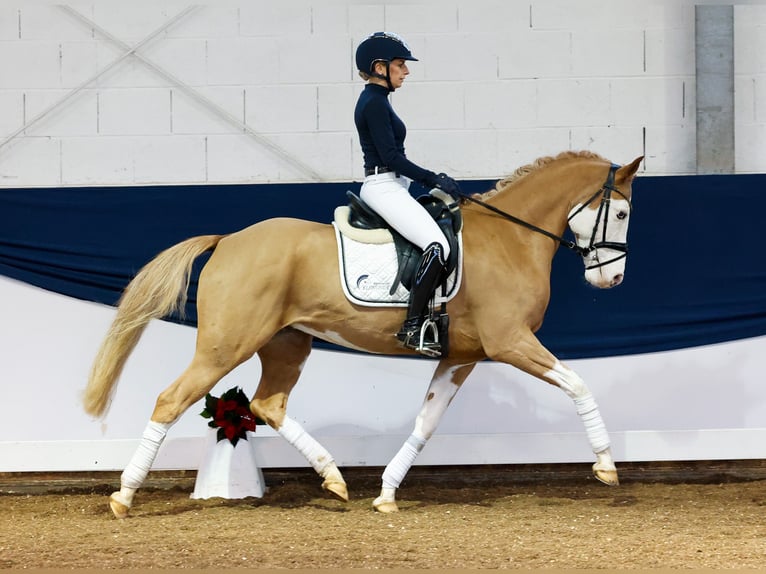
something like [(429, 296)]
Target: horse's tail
[(156, 291)]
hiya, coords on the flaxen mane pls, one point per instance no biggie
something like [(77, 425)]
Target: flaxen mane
[(534, 166)]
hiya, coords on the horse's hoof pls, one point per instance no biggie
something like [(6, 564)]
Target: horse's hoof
[(119, 509), (606, 475), (385, 506), (337, 489)]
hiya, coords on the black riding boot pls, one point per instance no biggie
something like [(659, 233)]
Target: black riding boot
[(428, 276)]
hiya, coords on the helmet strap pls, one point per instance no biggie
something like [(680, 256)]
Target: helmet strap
[(387, 77)]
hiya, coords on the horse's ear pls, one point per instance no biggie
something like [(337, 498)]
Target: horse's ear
[(627, 172)]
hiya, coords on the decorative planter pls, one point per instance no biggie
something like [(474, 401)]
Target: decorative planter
[(227, 471)]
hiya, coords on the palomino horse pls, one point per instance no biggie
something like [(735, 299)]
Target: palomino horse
[(274, 286)]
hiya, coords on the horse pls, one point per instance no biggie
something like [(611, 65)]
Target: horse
[(271, 288)]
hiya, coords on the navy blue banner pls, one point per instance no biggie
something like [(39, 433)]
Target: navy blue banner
[(695, 273)]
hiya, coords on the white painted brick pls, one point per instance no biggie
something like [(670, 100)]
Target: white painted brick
[(43, 22), (745, 102), (169, 159), (79, 63), (671, 150), (364, 19), (282, 109), (182, 58), (573, 102), (336, 107), (750, 39), (274, 18), (131, 22), (9, 22), (29, 65), (248, 61), (608, 53), (76, 116), (11, 113), (617, 144), (516, 148), (596, 17), (501, 105), (134, 112), (750, 141), (417, 105), (327, 154), (445, 151), (493, 16), (670, 51), (536, 54), (240, 159), (30, 162), (313, 59), (329, 19), (460, 57), (210, 20), (192, 116), (128, 73), (97, 161), (427, 18), (651, 101)]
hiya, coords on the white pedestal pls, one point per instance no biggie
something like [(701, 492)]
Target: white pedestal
[(227, 471)]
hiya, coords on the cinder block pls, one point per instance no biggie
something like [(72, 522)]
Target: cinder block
[(30, 162), (608, 53), (131, 22), (431, 105), (9, 22), (364, 19), (134, 111), (274, 18), (617, 144), (182, 58), (426, 18), (509, 104), (670, 51), (124, 72), (328, 154), (671, 150), (169, 159), (445, 151), (596, 17), (750, 142), (193, 116), (97, 161), (655, 101), (536, 54), (335, 103), (48, 22), (516, 148), (750, 39), (569, 103), (282, 109), (209, 20), (244, 61), (29, 65), (79, 63), (11, 113), (75, 116), (240, 159), (329, 19), (312, 59), (493, 16), (460, 57)]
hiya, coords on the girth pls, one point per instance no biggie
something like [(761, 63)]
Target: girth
[(445, 211)]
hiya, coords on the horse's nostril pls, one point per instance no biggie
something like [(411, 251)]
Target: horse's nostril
[(617, 279)]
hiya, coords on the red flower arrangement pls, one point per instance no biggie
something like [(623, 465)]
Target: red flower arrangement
[(231, 415)]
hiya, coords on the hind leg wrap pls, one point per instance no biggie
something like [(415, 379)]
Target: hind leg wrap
[(401, 463)]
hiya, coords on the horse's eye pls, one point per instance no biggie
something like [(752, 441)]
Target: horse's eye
[(622, 214)]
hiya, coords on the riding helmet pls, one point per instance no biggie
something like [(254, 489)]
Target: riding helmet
[(381, 46)]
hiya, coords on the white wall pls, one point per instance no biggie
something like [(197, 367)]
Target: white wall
[(704, 403), (498, 84)]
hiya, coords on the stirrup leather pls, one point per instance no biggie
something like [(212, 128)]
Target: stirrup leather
[(417, 340)]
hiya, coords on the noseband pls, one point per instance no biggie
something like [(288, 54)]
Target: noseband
[(603, 213)]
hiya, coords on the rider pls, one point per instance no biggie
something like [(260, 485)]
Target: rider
[(382, 62)]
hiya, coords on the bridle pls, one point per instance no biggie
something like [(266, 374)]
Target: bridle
[(603, 214)]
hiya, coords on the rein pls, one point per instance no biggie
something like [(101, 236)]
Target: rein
[(605, 191)]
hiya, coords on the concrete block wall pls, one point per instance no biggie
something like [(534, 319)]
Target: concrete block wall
[(498, 84)]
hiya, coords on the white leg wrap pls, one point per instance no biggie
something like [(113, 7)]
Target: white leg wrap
[(401, 463), (314, 452), (594, 424), (135, 473)]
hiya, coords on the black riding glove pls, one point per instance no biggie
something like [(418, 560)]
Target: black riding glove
[(445, 183)]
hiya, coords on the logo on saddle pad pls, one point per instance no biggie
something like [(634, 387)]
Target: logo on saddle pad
[(369, 266)]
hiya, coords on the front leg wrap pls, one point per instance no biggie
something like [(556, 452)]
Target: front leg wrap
[(594, 424)]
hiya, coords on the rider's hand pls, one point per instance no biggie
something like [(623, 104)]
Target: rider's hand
[(446, 183)]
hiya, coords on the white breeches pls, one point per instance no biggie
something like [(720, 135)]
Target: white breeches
[(388, 195)]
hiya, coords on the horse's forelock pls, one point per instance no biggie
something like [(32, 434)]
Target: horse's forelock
[(539, 163)]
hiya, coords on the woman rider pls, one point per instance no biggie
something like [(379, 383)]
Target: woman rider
[(382, 62)]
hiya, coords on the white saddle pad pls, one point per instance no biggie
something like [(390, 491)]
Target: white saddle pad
[(368, 265)]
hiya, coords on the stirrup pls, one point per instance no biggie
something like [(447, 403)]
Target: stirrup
[(416, 340)]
